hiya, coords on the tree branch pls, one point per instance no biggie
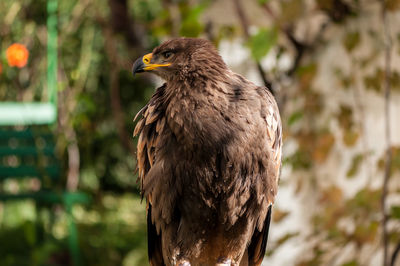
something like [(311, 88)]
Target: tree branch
[(300, 47), (116, 107), (65, 105), (394, 255), (360, 110), (122, 23), (174, 16), (245, 25), (73, 160), (388, 161)]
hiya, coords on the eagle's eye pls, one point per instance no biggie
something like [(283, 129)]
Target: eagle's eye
[(167, 54)]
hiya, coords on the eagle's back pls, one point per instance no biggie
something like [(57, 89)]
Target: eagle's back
[(208, 163)]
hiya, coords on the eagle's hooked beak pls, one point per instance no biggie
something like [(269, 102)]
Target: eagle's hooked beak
[(143, 64)]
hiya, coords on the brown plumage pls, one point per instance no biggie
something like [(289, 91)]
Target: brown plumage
[(208, 157)]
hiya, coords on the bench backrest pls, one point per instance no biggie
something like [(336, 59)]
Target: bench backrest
[(28, 153)]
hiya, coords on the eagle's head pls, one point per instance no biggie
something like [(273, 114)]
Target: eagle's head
[(182, 59)]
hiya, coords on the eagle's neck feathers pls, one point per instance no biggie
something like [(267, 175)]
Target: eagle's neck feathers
[(197, 110)]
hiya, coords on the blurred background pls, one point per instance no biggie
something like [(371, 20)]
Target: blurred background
[(68, 186)]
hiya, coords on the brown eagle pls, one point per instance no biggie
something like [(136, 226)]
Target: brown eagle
[(209, 156)]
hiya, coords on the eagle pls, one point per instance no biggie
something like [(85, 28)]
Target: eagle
[(208, 158)]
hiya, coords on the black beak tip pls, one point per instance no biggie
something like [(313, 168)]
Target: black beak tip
[(138, 66), (137, 71)]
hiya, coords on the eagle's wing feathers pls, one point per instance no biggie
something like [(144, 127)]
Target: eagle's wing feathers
[(148, 128), (258, 244), (273, 128), (154, 245), (274, 131)]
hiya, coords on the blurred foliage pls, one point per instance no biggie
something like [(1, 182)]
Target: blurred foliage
[(98, 98), (112, 232), (261, 42)]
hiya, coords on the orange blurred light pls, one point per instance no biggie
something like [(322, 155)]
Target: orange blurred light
[(17, 55), (1, 68)]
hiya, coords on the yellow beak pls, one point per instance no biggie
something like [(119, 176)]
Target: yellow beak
[(143, 64)]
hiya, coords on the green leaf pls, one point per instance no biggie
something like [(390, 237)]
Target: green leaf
[(375, 80), (30, 233), (345, 117), (306, 74), (395, 212), (350, 137), (365, 200), (351, 40), (355, 165), (301, 159), (191, 27), (263, 2), (395, 80), (285, 238), (262, 42), (350, 263), (395, 165), (294, 117)]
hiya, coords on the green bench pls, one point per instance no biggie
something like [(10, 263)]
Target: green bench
[(30, 153), (27, 145)]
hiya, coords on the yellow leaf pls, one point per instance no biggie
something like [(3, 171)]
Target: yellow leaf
[(350, 137), (332, 195), (278, 215), (323, 146)]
